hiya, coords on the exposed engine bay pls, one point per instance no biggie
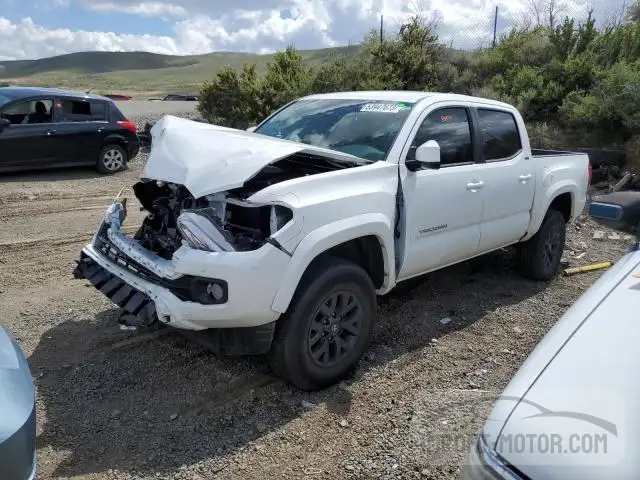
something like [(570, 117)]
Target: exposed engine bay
[(223, 221)]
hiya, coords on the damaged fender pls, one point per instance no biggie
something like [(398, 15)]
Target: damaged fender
[(329, 236)]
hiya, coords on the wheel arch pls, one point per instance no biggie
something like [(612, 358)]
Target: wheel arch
[(563, 203), (115, 138), (366, 240), (563, 199)]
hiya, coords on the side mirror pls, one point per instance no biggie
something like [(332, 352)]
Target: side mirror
[(251, 129), (4, 123), (426, 155)]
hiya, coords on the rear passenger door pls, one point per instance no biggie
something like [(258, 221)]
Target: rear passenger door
[(82, 129), (509, 178), (28, 142)]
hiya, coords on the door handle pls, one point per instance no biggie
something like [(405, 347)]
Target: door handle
[(100, 130), (473, 186), (524, 178), (51, 132)]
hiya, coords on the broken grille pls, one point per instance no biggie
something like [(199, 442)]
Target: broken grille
[(119, 292)]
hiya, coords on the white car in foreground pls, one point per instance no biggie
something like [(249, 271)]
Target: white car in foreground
[(571, 411), (278, 240)]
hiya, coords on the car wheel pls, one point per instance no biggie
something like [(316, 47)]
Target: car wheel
[(540, 256), (327, 327), (112, 159)]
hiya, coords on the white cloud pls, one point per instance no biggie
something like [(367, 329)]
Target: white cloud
[(26, 40), (201, 26), (144, 9)]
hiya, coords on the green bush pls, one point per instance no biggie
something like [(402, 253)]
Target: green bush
[(613, 104), (233, 99)]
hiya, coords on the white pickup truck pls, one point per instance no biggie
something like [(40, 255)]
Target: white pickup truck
[(277, 240)]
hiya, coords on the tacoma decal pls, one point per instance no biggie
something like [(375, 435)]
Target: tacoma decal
[(433, 229)]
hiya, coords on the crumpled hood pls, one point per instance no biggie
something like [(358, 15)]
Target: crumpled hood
[(209, 158)]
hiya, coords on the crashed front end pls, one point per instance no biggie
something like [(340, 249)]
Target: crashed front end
[(189, 265), (207, 255)]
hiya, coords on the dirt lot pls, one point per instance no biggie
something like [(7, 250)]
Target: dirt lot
[(116, 404)]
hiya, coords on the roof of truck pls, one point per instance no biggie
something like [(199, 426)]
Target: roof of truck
[(381, 95), (407, 96)]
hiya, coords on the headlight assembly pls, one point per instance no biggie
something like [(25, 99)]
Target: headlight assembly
[(199, 228)]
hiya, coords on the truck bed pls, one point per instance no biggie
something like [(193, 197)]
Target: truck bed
[(537, 152)]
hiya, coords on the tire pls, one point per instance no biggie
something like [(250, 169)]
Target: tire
[(112, 159), (301, 333), (539, 257)]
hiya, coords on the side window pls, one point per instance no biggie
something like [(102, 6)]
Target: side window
[(500, 135), (83, 111), (98, 110), (30, 112), (451, 129)]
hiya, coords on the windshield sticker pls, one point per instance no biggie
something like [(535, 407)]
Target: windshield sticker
[(383, 107)]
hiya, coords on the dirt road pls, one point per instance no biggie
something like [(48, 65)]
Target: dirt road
[(123, 405)]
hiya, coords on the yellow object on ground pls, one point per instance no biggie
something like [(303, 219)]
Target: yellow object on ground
[(587, 268)]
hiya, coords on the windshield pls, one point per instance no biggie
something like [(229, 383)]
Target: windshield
[(4, 99), (366, 129)]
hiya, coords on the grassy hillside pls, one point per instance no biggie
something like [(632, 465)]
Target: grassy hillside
[(135, 71)]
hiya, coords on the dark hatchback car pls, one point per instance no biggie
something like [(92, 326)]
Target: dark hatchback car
[(45, 128)]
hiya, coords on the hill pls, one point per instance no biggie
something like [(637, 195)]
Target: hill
[(136, 71)]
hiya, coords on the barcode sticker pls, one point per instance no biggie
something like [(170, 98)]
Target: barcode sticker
[(382, 107)]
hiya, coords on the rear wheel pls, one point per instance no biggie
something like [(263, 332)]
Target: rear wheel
[(539, 257), (328, 325), (112, 159)]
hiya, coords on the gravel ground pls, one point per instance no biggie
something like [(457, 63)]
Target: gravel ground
[(121, 405)]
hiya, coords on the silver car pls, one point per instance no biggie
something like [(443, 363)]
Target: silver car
[(573, 408), (17, 413)]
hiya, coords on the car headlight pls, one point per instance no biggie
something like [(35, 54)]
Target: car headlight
[(199, 230), (488, 465)]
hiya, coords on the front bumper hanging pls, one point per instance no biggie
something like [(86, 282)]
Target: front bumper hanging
[(141, 309)]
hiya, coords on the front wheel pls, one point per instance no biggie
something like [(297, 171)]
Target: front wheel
[(112, 159), (540, 256), (328, 325)]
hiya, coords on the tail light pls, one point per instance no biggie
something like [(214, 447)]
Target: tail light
[(129, 125), (590, 172)]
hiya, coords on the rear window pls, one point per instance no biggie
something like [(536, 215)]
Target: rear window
[(98, 110), (500, 135), (116, 114), (83, 111)]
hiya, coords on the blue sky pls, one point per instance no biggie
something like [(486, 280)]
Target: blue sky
[(40, 28), (52, 16)]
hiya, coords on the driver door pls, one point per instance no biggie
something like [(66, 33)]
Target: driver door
[(443, 207)]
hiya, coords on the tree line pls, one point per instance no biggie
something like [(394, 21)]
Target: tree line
[(576, 84)]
